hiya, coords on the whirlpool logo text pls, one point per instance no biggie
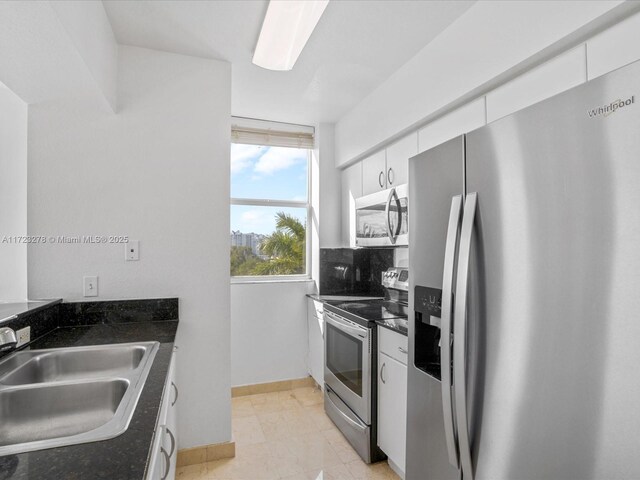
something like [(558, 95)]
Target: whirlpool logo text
[(614, 106)]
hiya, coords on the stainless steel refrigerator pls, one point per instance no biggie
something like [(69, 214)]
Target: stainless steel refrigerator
[(524, 327)]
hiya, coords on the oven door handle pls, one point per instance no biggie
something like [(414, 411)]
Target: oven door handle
[(353, 331)]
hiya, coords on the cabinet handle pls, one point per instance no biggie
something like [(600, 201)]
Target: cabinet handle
[(390, 176), (402, 350), (173, 441), (381, 179), (167, 463), (382, 373), (176, 390)]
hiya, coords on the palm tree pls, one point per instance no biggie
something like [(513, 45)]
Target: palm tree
[(285, 247)]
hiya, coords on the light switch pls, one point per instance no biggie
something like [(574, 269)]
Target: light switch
[(132, 252), (90, 287)]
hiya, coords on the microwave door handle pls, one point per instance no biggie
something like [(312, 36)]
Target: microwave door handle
[(453, 232), (387, 211), (460, 335), (399, 207)]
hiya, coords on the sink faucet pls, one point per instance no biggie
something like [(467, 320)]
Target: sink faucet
[(7, 339)]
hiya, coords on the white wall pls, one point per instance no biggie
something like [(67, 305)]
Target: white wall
[(268, 331), (325, 196), (486, 42), (89, 29), (52, 50), (157, 171), (13, 195), (329, 186)]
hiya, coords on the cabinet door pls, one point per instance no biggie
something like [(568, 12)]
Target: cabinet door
[(398, 156), (164, 451), (171, 422), (316, 343), (463, 120), (392, 409), (374, 176), (351, 189), (555, 76), (616, 47)]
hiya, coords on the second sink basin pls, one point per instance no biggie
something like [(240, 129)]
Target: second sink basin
[(65, 396), (43, 413), (52, 365)]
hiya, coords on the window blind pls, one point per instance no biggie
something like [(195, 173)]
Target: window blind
[(274, 134)]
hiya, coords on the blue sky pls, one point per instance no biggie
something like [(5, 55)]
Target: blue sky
[(266, 173)]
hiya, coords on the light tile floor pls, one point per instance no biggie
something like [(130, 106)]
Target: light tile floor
[(286, 435)]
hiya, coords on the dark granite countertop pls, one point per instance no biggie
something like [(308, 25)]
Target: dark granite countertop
[(8, 310), (125, 456), (398, 325)]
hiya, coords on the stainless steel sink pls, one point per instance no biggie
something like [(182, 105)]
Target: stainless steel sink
[(68, 364), (57, 397)]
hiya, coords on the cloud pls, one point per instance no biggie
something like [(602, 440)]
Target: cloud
[(256, 220), (275, 159), (244, 156), (252, 216)]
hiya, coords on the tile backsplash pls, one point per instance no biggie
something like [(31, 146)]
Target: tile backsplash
[(353, 271)]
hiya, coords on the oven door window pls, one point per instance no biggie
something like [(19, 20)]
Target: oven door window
[(344, 358)]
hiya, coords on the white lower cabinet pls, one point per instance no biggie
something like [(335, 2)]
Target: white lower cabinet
[(392, 407), (315, 324), (164, 453)]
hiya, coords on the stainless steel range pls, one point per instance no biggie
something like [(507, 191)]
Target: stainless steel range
[(351, 360)]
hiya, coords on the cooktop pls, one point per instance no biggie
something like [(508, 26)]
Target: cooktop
[(366, 310)]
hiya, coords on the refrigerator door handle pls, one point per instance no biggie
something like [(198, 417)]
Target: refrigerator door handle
[(460, 335), (453, 231)]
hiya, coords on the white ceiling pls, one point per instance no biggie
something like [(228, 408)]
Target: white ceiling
[(355, 47)]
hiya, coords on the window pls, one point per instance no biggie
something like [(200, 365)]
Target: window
[(269, 204)]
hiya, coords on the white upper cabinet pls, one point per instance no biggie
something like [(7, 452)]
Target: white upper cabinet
[(398, 156), (351, 189), (374, 177), (615, 47), (463, 120), (555, 76)]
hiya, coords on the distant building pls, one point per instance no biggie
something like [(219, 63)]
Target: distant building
[(253, 240)]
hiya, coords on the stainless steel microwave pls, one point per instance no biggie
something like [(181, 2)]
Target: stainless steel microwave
[(382, 218)]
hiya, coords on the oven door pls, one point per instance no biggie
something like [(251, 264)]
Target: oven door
[(382, 218), (347, 369)]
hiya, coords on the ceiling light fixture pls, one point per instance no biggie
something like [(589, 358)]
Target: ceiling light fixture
[(285, 31)]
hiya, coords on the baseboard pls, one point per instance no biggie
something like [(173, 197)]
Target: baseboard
[(269, 387), (395, 468), (206, 453)]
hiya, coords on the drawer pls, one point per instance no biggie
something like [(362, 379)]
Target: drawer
[(393, 344)]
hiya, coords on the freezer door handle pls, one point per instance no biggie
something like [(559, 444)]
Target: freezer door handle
[(453, 232), (460, 335)]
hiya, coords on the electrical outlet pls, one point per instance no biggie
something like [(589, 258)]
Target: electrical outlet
[(24, 336), (90, 286)]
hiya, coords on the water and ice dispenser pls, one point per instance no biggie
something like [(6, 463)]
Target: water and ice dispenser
[(427, 303)]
